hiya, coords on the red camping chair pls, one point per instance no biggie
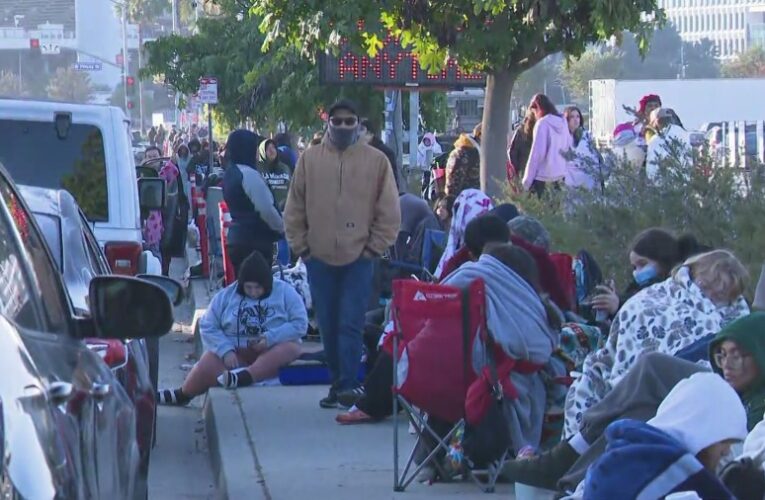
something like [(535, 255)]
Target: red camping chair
[(564, 265), (435, 326)]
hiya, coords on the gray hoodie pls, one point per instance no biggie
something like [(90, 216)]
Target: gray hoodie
[(233, 320)]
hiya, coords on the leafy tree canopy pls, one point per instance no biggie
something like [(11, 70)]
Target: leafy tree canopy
[(501, 37), (748, 64)]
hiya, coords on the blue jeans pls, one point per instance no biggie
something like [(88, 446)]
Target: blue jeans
[(341, 297)]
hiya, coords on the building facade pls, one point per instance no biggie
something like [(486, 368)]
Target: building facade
[(733, 25)]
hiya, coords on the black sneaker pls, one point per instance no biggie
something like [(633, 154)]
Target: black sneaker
[(543, 471), (350, 397), (331, 400)]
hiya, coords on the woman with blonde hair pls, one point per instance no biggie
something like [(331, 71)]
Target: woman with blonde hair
[(702, 296)]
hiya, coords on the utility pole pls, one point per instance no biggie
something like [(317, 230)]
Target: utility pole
[(125, 57), (140, 82)]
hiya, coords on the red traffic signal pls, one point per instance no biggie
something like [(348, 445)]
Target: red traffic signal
[(129, 81), (34, 43), (130, 105)]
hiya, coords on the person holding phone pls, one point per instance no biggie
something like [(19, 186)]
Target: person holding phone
[(653, 255)]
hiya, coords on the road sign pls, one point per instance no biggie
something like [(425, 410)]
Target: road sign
[(50, 49), (208, 90), (393, 67), (88, 66)]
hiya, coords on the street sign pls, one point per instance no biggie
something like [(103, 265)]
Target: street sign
[(50, 49), (87, 66), (393, 66), (208, 90)]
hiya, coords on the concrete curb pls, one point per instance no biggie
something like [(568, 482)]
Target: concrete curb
[(232, 451)]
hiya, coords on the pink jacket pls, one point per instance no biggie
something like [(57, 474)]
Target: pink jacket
[(546, 162)]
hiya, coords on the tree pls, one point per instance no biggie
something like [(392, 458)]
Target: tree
[(500, 37), (595, 64), (69, 85), (747, 64), (280, 86)]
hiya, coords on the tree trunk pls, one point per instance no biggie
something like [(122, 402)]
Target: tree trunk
[(496, 124)]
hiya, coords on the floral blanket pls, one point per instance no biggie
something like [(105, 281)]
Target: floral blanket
[(665, 318)]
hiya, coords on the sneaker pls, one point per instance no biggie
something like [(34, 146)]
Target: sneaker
[(355, 416), (172, 397), (543, 471), (330, 401), (350, 397)]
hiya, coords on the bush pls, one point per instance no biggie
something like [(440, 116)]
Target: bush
[(721, 206)]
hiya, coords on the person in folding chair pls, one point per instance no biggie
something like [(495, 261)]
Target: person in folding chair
[(525, 325), (251, 329), (374, 400)]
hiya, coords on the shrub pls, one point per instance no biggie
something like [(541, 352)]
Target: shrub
[(722, 206)]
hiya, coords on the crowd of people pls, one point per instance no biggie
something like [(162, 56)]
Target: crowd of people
[(666, 373)]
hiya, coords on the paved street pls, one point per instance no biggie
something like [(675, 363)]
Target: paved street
[(180, 465)]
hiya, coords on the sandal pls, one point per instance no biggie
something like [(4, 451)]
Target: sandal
[(352, 417)]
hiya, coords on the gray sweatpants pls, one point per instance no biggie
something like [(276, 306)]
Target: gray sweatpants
[(636, 396)]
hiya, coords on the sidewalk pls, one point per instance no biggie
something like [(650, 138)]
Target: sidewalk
[(276, 443)]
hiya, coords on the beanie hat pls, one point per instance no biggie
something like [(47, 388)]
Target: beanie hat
[(255, 269), (531, 230)]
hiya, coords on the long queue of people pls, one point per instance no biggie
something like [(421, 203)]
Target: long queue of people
[(665, 378)]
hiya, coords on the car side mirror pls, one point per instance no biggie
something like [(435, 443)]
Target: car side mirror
[(172, 288), (129, 308), (151, 193)]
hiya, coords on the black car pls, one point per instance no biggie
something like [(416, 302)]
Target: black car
[(79, 259), (67, 428)]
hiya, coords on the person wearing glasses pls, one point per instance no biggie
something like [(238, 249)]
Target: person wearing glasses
[(342, 213), (737, 354)]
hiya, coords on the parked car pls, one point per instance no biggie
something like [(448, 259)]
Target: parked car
[(67, 428), (79, 259), (87, 150)]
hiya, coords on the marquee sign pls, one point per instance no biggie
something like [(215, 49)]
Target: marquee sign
[(393, 66)]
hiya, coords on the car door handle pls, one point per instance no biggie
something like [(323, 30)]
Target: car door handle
[(60, 392), (100, 391)]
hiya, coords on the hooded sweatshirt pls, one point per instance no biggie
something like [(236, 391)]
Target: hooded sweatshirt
[(661, 455), (546, 162), (233, 320), (749, 333), (276, 174), (255, 218), (422, 150)]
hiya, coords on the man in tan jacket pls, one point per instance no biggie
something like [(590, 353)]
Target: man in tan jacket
[(342, 213)]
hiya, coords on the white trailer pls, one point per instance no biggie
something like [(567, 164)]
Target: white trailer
[(696, 102)]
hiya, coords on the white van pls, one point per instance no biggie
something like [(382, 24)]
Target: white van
[(85, 149)]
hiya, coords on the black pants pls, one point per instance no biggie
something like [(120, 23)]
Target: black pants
[(378, 400), (237, 253)]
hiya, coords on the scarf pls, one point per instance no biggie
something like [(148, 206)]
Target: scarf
[(469, 204)]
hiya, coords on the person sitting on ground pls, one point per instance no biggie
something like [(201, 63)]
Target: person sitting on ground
[(251, 329), (467, 206), (654, 253), (373, 401), (702, 296), (737, 354), (678, 450)]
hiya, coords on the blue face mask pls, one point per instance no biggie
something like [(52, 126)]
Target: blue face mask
[(644, 274)]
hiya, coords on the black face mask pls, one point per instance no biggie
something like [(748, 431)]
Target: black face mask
[(343, 137)]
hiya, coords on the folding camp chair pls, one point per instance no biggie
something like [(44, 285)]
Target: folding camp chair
[(432, 249), (435, 326)]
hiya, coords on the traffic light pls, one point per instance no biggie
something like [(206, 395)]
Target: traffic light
[(34, 47), (130, 91)]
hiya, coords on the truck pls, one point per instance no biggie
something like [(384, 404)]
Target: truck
[(698, 102)]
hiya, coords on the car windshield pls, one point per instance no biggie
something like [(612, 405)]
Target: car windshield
[(33, 154)]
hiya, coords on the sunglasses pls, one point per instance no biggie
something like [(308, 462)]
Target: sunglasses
[(348, 122)]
